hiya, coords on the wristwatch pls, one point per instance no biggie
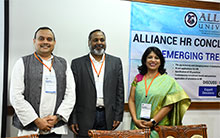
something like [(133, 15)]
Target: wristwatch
[(59, 117), (153, 122)]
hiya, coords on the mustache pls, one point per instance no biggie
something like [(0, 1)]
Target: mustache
[(98, 45), (45, 45)]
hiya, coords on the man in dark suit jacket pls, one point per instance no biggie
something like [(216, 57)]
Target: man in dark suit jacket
[(99, 89)]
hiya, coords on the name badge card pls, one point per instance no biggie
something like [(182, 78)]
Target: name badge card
[(145, 111), (50, 84)]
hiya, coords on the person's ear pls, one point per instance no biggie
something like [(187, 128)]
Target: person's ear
[(34, 41)]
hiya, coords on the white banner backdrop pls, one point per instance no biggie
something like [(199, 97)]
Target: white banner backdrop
[(189, 40)]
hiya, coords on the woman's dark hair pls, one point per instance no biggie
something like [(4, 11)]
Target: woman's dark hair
[(143, 68)]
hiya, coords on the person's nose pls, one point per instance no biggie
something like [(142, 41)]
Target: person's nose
[(99, 42), (153, 59), (45, 41)]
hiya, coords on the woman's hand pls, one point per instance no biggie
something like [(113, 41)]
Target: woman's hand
[(141, 124)]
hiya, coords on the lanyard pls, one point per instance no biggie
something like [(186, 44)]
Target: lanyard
[(147, 88), (95, 68), (43, 63)]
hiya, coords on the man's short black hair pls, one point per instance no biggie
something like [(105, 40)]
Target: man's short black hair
[(96, 30), (44, 28)]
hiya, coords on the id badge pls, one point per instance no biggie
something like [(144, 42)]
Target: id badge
[(145, 111), (50, 84)]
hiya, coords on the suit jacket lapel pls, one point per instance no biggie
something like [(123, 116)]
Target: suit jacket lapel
[(107, 69), (89, 68)]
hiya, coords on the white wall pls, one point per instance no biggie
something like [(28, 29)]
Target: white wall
[(72, 20)]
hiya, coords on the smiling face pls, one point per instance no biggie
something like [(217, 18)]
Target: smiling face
[(153, 62), (44, 43), (97, 43)]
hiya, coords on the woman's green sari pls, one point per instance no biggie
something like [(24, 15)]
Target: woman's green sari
[(163, 91)]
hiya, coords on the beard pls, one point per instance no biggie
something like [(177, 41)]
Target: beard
[(96, 51)]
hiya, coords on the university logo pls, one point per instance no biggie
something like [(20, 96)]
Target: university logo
[(190, 19)]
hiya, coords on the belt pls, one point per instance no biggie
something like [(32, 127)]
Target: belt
[(100, 108)]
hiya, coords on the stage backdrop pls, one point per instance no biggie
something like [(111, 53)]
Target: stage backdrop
[(189, 40)]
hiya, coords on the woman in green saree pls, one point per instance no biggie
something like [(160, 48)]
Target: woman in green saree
[(155, 97)]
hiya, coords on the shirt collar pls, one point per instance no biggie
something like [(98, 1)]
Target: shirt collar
[(94, 60), (49, 59)]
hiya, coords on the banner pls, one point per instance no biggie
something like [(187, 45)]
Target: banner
[(189, 40)]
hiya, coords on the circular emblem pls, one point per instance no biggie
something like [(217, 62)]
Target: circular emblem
[(190, 19)]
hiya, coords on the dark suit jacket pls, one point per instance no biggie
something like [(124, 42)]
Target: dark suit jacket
[(113, 90)]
